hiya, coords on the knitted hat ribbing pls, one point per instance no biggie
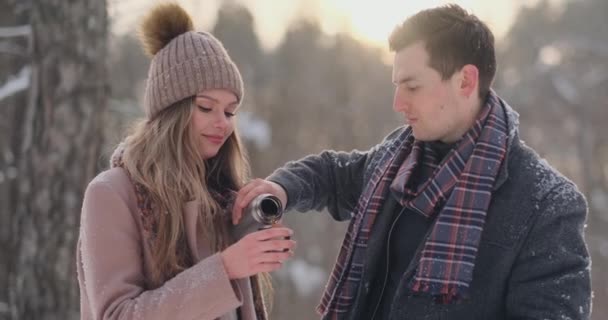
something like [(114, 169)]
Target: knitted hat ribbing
[(189, 63)]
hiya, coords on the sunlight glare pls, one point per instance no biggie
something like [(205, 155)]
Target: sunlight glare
[(373, 21), (366, 20)]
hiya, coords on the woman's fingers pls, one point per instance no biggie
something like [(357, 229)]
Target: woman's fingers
[(271, 233), (272, 257), (268, 267), (277, 245), (260, 251)]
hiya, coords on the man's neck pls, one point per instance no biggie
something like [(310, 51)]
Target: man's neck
[(472, 109)]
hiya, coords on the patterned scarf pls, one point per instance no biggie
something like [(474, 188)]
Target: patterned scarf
[(458, 192)]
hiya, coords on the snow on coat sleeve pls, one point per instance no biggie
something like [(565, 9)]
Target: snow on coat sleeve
[(331, 179), (551, 277)]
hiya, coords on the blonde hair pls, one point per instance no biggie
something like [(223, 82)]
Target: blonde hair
[(162, 155)]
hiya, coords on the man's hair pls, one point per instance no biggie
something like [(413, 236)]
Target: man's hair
[(453, 38)]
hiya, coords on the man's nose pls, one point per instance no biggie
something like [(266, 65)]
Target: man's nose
[(400, 101)]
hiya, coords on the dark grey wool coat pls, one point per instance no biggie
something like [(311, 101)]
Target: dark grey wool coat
[(532, 261)]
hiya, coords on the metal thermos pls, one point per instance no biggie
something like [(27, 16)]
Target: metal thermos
[(265, 209)]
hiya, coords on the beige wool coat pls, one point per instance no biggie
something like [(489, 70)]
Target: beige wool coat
[(114, 262)]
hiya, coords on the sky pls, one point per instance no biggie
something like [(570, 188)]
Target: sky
[(369, 21)]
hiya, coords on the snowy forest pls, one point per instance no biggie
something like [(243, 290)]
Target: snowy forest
[(69, 88)]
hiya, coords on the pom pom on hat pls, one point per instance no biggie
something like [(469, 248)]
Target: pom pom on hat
[(184, 62), (163, 24)]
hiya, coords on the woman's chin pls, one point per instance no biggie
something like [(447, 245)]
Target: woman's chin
[(208, 154)]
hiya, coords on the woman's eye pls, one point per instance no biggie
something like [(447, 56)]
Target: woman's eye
[(229, 115), (204, 109)]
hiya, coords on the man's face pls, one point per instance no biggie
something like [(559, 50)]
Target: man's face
[(428, 103)]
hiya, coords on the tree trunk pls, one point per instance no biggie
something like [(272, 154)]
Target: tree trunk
[(50, 118)]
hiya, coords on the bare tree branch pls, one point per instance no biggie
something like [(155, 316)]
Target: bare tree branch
[(16, 83), (17, 31)]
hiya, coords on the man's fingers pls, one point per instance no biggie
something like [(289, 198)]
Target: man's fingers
[(236, 214), (251, 193), (240, 202)]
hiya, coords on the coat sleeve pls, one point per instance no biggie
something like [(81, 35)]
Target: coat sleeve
[(551, 276), (112, 279), (331, 179)]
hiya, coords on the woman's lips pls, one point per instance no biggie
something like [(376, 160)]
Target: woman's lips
[(214, 139)]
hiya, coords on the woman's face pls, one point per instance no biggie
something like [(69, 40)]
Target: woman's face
[(213, 119)]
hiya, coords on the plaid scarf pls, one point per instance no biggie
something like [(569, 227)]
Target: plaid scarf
[(458, 192)]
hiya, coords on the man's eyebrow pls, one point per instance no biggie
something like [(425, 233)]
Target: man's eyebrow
[(404, 80)]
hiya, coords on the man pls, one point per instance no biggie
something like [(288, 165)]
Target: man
[(451, 217)]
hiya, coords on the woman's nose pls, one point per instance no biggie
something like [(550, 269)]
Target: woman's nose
[(221, 122)]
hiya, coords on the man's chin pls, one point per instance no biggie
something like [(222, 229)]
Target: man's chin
[(422, 137)]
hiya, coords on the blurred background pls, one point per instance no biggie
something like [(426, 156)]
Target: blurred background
[(317, 76)]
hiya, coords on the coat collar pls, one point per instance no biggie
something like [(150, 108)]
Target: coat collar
[(513, 138)]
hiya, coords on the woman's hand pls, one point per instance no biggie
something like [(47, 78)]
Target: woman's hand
[(260, 251)]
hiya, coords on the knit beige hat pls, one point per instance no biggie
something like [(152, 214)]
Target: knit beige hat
[(184, 62)]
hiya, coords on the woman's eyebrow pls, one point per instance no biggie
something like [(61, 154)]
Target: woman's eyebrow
[(214, 99)]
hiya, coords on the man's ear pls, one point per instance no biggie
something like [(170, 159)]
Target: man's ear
[(469, 80)]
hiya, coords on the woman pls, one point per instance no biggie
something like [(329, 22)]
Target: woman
[(155, 239)]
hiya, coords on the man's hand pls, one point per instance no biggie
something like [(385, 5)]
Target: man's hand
[(252, 190)]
